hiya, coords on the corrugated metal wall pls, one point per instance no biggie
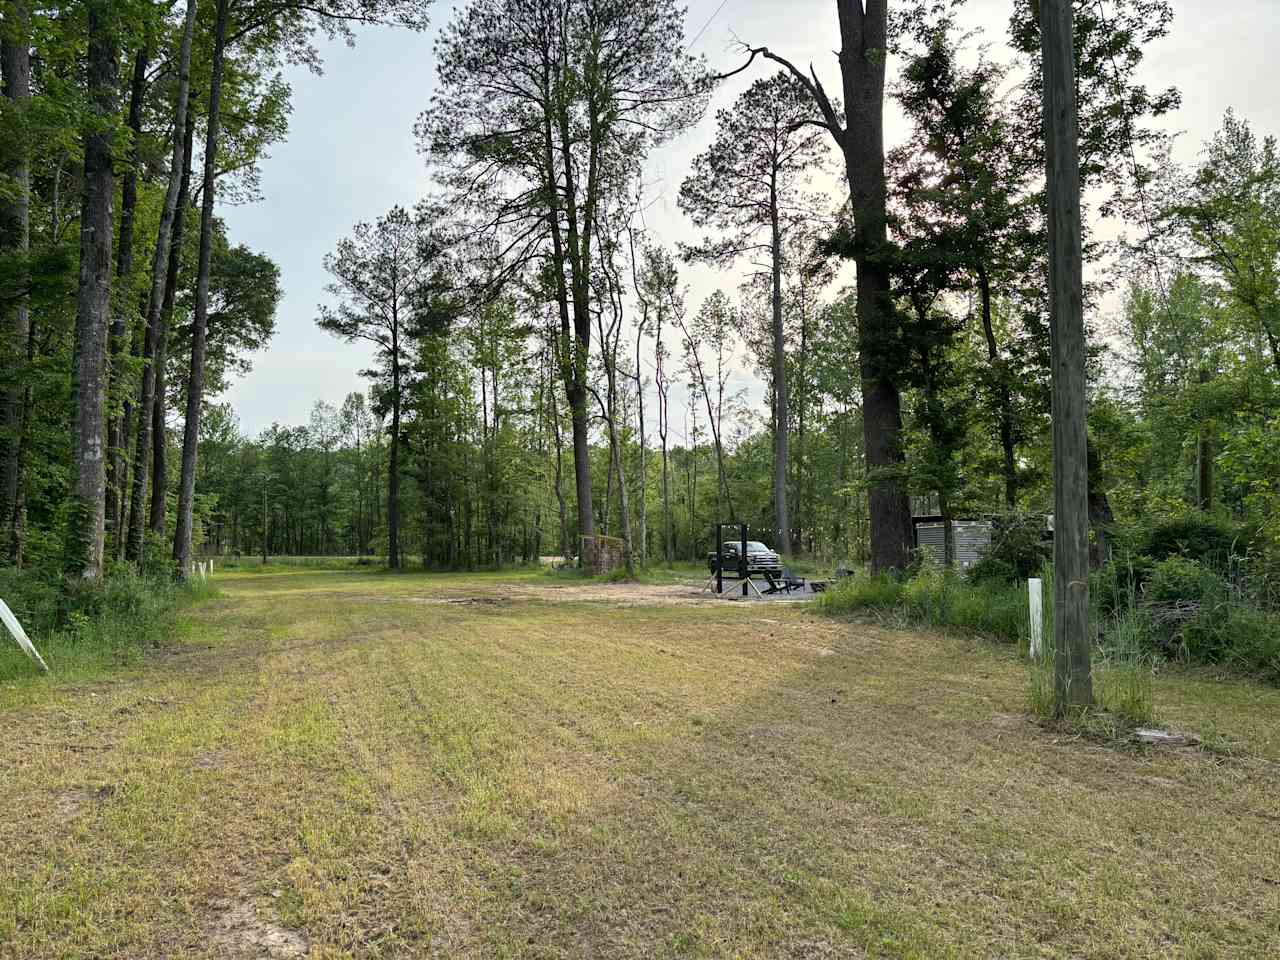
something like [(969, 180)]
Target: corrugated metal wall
[(972, 537)]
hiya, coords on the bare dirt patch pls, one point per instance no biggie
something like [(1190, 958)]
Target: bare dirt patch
[(623, 594), (241, 932), (71, 803), (209, 761)]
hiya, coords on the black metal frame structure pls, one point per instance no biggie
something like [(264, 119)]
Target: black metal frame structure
[(742, 556)]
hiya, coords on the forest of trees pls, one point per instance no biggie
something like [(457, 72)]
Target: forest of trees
[(541, 372)]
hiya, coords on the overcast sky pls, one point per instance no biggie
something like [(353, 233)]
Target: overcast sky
[(351, 154)]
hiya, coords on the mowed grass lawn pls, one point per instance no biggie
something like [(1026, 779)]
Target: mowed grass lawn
[(339, 764)]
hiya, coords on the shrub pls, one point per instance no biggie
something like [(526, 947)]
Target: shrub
[(1238, 636), (1196, 537), (33, 598), (928, 596), (1018, 550), (995, 610), (1254, 641), (1118, 583), (1178, 579), (619, 575)]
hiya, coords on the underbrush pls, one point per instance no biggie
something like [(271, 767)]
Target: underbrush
[(1190, 611), (91, 627), (254, 564), (1123, 665), (988, 608)]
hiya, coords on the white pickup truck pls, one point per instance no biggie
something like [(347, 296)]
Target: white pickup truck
[(760, 559)]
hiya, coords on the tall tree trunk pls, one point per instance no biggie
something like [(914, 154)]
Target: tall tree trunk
[(609, 352), (693, 475), (15, 235), (1100, 515), (200, 326), (1073, 681), (559, 472), (608, 497), (85, 530), (864, 37), (159, 435), (1204, 457), (577, 397), (781, 411), (800, 461), (660, 381), (575, 333), (166, 236), (117, 429), (624, 504), (183, 532), (644, 464), (1004, 398), (393, 461), (713, 416)]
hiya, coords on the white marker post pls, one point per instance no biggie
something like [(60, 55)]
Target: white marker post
[(20, 635), (1035, 596)]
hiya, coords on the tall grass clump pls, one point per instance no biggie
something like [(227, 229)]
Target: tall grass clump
[(860, 593), (1125, 669), (1123, 678), (1043, 700), (935, 598), (84, 629)]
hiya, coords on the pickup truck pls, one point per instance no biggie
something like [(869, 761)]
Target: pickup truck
[(760, 559)]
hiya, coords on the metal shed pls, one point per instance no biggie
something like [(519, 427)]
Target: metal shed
[(972, 537)]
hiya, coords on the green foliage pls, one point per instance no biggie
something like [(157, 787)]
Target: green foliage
[(1236, 636), (1185, 608), (1195, 537), (1123, 674), (937, 599), (84, 626), (1018, 550), (1119, 582), (861, 592), (1178, 579)]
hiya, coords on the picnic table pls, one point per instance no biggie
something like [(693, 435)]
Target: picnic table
[(782, 584)]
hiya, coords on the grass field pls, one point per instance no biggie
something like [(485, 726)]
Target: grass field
[(345, 764)]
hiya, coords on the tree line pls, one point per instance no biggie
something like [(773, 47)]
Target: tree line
[(123, 298), (541, 373)]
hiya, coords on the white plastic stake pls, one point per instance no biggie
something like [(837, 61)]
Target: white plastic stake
[(20, 635), (1035, 594)]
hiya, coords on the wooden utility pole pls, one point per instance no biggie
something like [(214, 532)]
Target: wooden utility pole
[(1073, 682)]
